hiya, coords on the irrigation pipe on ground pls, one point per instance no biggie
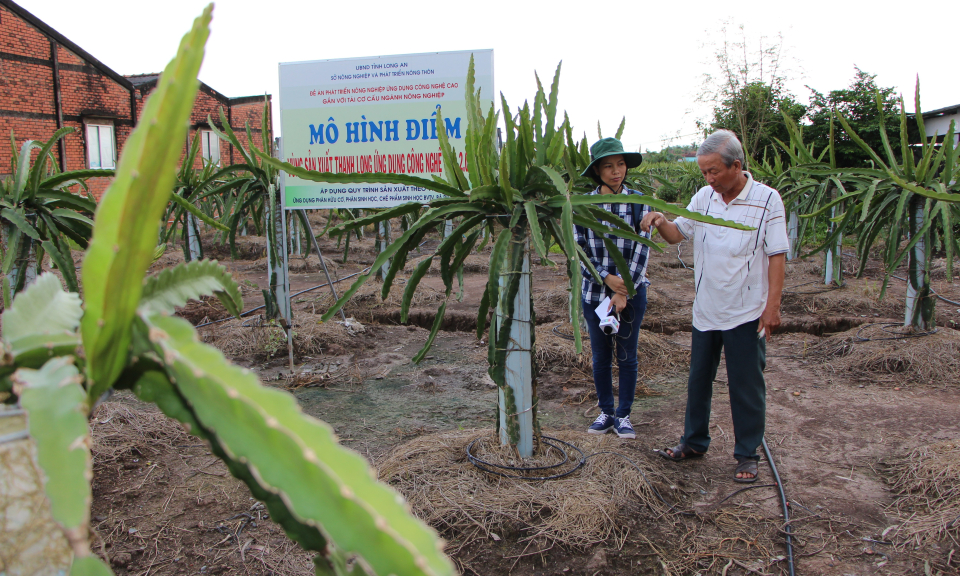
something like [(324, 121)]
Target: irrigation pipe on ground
[(932, 291), (787, 528)]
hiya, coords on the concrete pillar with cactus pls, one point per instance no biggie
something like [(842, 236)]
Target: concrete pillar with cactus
[(511, 346), (194, 249), (919, 310)]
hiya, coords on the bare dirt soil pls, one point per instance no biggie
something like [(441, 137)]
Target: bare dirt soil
[(843, 415)]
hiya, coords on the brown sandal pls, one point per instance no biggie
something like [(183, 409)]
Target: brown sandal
[(680, 452), (746, 466)]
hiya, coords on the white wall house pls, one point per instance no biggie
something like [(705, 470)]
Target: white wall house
[(938, 121)]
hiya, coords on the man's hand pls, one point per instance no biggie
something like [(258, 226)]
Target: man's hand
[(618, 302), (654, 219), (616, 284), (667, 229), (769, 320)]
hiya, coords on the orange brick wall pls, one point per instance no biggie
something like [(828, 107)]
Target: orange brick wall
[(28, 105), (26, 85)]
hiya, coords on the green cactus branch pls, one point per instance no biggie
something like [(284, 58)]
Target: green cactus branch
[(132, 205), (53, 394), (173, 287), (264, 428)]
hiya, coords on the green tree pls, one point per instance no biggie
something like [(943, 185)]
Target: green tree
[(755, 113), (670, 153), (858, 104), (748, 93), (909, 203)]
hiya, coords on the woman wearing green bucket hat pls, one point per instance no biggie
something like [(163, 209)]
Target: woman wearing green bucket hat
[(608, 169)]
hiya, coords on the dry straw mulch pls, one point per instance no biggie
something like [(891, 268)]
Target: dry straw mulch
[(119, 428), (655, 353), (554, 299), (297, 264), (465, 503), (883, 353), (816, 299), (926, 484), (606, 503), (205, 309), (248, 247), (252, 338), (122, 431)]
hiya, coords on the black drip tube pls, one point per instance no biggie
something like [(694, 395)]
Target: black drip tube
[(787, 528)]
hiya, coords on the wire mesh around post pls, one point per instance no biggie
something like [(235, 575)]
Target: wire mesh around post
[(517, 397), (920, 302)]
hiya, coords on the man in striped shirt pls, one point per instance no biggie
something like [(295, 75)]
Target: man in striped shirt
[(739, 279), (608, 169)]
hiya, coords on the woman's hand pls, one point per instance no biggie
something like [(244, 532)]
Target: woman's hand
[(616, 284), (618, 302)]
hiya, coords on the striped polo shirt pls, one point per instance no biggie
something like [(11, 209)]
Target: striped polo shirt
[(730, 266)]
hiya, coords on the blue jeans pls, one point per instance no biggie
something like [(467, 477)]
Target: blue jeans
[(746, 360), (624, 346)]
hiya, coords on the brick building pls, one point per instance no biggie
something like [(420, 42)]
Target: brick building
[(47, 82)]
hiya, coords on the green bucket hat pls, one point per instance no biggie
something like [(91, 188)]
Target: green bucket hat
[(610, 147)]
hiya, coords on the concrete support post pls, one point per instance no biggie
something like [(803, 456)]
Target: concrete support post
[(519, 363), (919, 306)]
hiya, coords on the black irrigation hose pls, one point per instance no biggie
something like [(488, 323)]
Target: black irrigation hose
[(932, 291), (896, 335), (562, 335), (751, 487), (490, 467), (787, 528)]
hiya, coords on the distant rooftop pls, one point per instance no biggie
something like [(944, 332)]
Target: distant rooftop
[(942, 111), (143, 81), (140, 79), (947, 110)]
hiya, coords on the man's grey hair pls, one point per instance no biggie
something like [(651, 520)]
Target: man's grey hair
[(726, 144)]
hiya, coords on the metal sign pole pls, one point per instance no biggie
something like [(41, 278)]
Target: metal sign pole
[(287, 308), (316, 247), (384, 233)]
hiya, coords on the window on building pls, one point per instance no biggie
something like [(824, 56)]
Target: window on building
[(210, 146), (101, 152)]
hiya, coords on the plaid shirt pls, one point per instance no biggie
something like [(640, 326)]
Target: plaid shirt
[(635, 254)]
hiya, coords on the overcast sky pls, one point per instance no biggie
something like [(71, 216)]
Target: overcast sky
[(642, 60)]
